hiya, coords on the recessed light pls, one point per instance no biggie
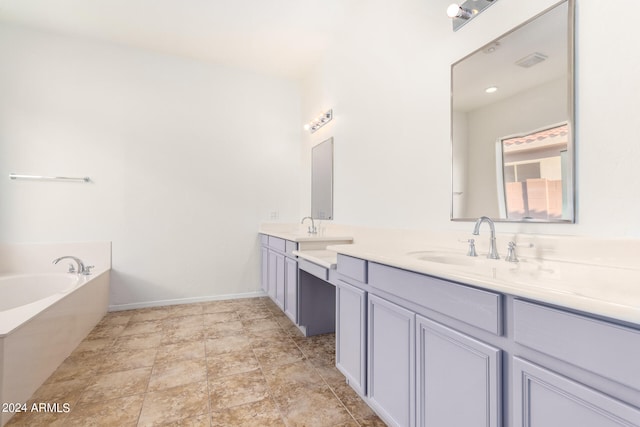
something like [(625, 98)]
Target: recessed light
[(491, 89)]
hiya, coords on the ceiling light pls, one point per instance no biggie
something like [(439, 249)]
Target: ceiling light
[(491, 89), (455, 11)]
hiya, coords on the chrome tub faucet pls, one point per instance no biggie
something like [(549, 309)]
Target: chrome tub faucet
[(82, 269)]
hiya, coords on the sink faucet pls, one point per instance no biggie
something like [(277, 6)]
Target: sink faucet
[(493, 252), (312, 229), (82, 269)]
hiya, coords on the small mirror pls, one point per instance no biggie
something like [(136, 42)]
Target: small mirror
[(511, 124), (322, 180)]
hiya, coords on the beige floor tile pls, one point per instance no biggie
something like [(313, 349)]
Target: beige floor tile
[(129, 359), (234, 390), (223, 329), (180, 335), (278, 354), (300, 375), (106, 331), (143, 327), (262, 413), (148, 314), (267, 337), (203, 420), (314, 407), (173, 374), (184, 322), (137, 342), (37, 419), (117, 384), (222, 316), (234, 343), (77, 367), (257, 325), (350, 399), (373, 421), (254, 313), (121, 412), (180, 351), (117, 318), (327, 370), (94, 346), (174, 404), (60, 392), (185, 310), (217, 306), (231, 363)]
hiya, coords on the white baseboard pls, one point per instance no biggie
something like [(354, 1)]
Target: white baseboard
[(160, 303)]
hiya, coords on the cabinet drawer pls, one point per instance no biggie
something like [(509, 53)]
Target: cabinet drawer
[(290, 247), (354, 268), (264, 240), (311, 268), (598, 346), (277, 243), (476, 307)]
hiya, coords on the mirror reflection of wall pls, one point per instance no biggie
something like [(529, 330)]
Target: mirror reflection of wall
[(322, 180), (530, 71)]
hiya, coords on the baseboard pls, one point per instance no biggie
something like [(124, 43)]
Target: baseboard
[(160, 303)]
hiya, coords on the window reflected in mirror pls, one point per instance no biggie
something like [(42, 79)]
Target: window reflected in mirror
[(533, 174)]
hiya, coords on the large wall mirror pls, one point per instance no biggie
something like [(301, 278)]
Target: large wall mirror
[(322, 180), (512, 124)]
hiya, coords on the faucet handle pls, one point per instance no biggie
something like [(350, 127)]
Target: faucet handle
[(472, 248), (71, 269), (87, 269), (511, 253)]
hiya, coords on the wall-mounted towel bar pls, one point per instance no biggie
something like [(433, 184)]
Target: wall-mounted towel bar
[(50, 178)]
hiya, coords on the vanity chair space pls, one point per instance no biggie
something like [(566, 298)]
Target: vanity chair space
[(300, 287), (428, 351)]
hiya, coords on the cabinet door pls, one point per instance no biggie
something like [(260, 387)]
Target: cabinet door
[(351, 335), (291, 288), (264, 271), (546, 399), (280, 279), (391, 367), (458, 378), (271, 274)]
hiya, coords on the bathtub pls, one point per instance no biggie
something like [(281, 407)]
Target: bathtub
[(43, 318)]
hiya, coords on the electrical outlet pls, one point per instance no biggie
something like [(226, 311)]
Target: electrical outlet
[(274, 215)]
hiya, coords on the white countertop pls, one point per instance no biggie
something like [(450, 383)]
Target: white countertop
[(607, 291), (303, 236), (324, 258)]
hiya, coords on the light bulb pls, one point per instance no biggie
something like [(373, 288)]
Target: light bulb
[(455, 11), (491, 89)]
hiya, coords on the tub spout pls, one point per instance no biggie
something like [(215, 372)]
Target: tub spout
[(82, 269)]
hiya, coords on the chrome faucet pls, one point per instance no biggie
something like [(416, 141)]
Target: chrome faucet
[(82, 269), (493, 252), (311, 229)]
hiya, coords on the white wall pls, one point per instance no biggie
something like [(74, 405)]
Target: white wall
[(186, 159), (388, 80)]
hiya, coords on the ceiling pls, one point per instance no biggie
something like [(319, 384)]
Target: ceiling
[(279, 37)]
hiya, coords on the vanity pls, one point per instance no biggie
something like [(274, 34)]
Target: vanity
[(458, 346), (298, 286)]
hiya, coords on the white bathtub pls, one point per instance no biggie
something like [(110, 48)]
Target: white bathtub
[(43, 318)]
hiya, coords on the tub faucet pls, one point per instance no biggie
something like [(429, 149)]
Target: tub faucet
[(312, 229), (82, 269), (493, 252)]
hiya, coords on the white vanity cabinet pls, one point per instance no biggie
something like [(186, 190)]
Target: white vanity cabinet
[(608, 355), (441, 353), (280, 272), (458, 378), (390, 360), (351, 334)]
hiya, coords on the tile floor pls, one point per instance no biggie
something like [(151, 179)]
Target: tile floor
[(223, 363)]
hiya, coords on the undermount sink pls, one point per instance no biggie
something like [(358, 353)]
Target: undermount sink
[(447, 258)]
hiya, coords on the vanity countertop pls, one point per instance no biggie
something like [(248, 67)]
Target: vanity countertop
[(324, 258), (303, 236), (612, 292)]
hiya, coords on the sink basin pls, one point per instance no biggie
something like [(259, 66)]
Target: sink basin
[(447, 258)]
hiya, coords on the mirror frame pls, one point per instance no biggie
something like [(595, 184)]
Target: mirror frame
[(571, 143)]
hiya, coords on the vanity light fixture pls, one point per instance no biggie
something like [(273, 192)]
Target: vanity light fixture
[(460, 14), (320, 121)]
